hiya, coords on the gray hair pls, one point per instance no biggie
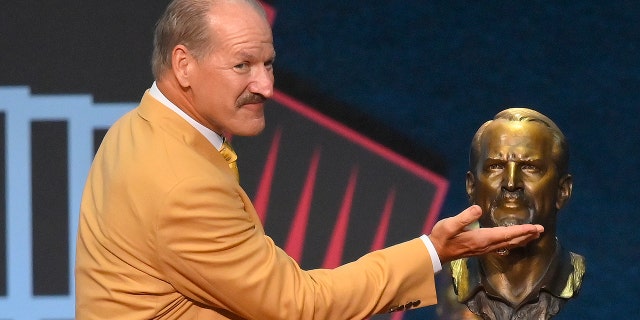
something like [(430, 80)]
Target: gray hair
[(186, 22)]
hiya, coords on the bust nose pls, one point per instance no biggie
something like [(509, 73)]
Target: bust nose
[(512, 179)]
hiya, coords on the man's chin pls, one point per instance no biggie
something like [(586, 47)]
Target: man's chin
[(248, 127), (249, 133), (509, 221)]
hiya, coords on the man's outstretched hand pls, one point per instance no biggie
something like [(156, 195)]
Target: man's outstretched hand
[(453, 240)]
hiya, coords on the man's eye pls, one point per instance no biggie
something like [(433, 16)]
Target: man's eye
[(241, 66), (269, 65), (530, 168), (496, 166)]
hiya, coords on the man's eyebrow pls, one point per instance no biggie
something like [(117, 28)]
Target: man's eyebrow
[(245, 55), (249, 56)]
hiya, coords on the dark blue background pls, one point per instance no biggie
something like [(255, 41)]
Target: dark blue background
[(436, 70)]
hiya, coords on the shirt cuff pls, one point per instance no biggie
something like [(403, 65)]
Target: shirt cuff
[(435, 260)]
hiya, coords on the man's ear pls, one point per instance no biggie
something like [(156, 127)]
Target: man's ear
[(181, 64), (471, 185), (565, 186)]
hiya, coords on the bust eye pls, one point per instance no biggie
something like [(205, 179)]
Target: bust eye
[(496, 166), (530, 168)]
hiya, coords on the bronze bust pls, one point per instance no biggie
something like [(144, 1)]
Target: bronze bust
[(518, 173)]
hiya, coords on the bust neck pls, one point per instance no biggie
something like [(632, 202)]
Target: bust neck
[(518, 275)]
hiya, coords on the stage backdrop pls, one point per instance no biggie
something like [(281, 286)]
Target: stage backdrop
[(326, 193)]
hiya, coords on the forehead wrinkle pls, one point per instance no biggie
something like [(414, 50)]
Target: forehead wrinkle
[(245, 55), (511, 155), (515, 137), (246, 29)]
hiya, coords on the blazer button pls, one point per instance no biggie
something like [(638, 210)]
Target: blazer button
[(396, 308), (411, 304)]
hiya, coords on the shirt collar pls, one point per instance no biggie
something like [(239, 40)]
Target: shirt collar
[(215, 139), (468, 275)]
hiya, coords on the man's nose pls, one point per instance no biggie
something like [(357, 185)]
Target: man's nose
[(262, 82), (512, 179)]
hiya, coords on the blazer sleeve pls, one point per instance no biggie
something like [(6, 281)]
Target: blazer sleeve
[(215, 253)]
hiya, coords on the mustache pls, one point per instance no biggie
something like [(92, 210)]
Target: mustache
[(250, 98), (517, 195), (507, 198)]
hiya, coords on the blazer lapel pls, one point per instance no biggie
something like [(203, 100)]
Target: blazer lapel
[(155, 112)]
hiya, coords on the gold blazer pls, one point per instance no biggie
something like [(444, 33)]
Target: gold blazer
[(166, 232)]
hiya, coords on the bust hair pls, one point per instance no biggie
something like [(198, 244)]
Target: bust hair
[(560, 145)]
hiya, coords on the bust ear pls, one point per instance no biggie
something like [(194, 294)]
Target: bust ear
[(471, 185), (565, 186), (181, 64)]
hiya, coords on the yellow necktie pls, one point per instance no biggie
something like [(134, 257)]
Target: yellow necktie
[(231, 157)]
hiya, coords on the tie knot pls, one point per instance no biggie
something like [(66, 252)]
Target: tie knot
[(228, 154)]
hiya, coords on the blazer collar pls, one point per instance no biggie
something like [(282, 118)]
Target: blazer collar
[(166, 119)]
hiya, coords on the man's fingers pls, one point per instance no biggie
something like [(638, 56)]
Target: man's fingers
[(519, 235), (467, 217), (452, 239)]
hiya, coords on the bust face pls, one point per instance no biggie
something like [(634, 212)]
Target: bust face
[(516, 180)]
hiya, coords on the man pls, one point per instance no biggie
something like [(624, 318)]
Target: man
[(167, 232), (518, 175)]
